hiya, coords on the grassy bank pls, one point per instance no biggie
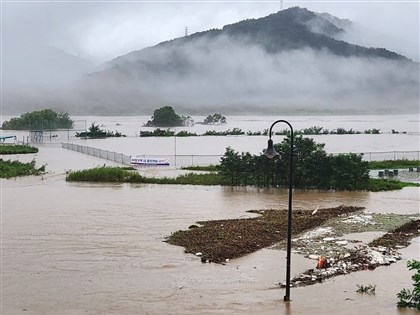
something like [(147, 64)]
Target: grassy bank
[(120, 175), (207, 168), (378, 184), (124, 175), (17, 149), (393, 164), (10, 169)]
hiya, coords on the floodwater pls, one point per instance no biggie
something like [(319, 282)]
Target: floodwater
[(79, 248), (206, 150)]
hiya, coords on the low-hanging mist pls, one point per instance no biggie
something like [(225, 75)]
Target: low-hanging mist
[(223, 74), (286, 63)]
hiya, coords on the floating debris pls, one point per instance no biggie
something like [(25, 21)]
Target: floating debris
[(364, 219), (316, 233), (343, 243)]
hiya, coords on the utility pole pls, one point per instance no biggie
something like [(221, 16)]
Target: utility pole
[(186, 31), (281, 5)]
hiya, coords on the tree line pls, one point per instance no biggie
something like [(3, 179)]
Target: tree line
[(313, 167), (45, 119)]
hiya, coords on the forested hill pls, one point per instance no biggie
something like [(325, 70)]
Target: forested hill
[(298, 28), (292, 61), (294, 28)]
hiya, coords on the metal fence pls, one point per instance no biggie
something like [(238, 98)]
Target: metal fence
[(104, 154), (390, 155), (202, 159), (175, 160)]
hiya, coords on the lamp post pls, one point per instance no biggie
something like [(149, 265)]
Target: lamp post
[(271, 153), (175, 150)]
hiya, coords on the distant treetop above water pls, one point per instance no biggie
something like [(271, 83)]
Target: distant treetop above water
[(45, 119)]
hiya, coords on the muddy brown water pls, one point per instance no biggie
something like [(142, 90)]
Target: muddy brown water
[(71, 248)]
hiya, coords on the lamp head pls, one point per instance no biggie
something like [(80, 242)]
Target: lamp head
[(270, 152)]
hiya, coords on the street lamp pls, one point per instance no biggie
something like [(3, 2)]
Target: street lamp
[(270, 152)]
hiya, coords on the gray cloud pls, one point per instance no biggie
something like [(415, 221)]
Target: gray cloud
[(388, 24), (102, 31), (235, 77), (208, 73)]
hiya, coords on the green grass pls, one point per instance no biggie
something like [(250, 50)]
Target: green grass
[(200, 179), (393, 164), (379, 184), (105, 174), (10, 169), (124, 175), (120, 175), (17, 149), (207, 168)]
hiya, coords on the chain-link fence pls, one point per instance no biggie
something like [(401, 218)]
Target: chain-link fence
[(202, 159), (390, 155), (104, 154)]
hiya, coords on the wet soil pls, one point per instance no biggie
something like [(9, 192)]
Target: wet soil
[(399, 237), (219, 240)]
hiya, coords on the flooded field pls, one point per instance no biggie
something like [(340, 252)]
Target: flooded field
[(71, 248)]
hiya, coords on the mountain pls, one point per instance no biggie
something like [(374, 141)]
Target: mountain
[(291, 29), (290, 62)]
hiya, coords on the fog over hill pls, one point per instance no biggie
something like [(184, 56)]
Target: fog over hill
[(290, 62)]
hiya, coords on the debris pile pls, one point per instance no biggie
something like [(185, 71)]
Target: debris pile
[(361, 258), (219, 240)]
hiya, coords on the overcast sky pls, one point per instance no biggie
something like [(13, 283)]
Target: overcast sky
[(100, 31)]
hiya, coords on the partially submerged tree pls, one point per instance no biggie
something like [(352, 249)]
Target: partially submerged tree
[(166, 117), (45, 119), (96, 132), (215, 119), (313, 167)]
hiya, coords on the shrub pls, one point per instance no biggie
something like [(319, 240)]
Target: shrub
[(17, 149), (10, 169), (409, 298)]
